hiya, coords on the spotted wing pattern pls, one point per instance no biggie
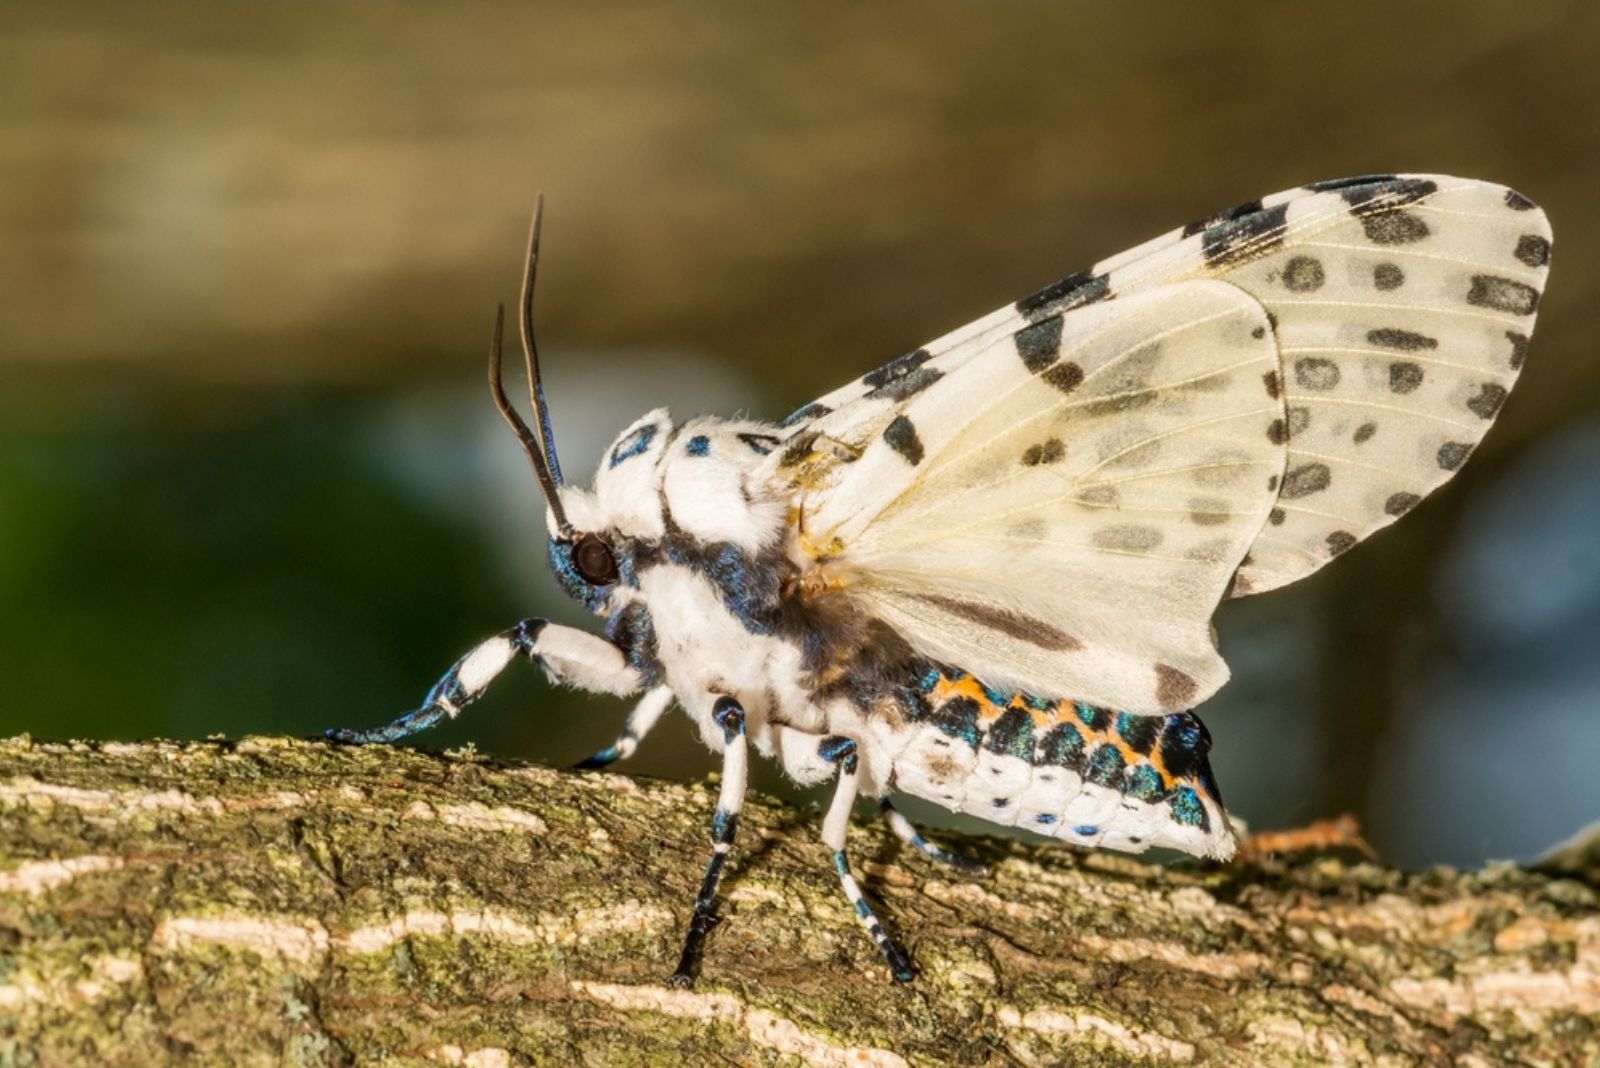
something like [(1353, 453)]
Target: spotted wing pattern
[(1396, 310)]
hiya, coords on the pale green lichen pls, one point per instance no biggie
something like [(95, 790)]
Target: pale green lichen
[(291, 902)]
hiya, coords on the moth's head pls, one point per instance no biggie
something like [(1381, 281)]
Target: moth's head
[(699, 479), (593, 532)]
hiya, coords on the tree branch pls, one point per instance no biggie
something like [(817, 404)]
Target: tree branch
[(277, 901)]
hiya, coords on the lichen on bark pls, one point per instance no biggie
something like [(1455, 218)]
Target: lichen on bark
[(272, 901)]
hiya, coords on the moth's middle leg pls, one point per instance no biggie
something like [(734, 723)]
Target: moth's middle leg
[(645, 714), (841, 752), (727, 714)]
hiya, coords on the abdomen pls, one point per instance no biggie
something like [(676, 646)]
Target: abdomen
[(1086, 775)]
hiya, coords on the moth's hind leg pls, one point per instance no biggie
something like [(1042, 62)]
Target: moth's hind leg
[(644, 716), (728, 714), (841, 752), (907, 832)]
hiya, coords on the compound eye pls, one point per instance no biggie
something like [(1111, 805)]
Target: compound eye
[(592, 557)]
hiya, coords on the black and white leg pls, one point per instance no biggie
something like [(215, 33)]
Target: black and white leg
[(569, 655), (727, 714), (644, 716), (907, 832), (841, 752)]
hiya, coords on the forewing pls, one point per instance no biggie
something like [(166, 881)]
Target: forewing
[(1063, 512), (1398, 309), (1403, 307)]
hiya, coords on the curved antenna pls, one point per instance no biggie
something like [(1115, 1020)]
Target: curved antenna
[(530, 444), (530, 349)]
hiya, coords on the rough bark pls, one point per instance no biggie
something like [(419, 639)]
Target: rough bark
[(272, 901)]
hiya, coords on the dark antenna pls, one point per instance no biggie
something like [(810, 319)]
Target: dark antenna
[(530, 348), (530, 444)]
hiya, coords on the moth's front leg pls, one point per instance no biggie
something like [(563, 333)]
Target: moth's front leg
[(727, 714), (569, 655)]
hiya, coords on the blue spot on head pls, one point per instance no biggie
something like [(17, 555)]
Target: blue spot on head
[(633, 444), (699, 445)]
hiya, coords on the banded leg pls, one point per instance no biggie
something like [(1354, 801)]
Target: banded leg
[(729, 715), (841, 752), (569, 655), (634, 728), (907, 832)]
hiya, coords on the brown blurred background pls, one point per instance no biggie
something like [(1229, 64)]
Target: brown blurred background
[(250, 480)]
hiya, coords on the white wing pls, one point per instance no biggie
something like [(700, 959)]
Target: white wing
[(1358, 342)]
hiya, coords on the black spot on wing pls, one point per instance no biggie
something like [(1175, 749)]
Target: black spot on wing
[(1382, 192), (1387, 276), (1341, 541), (1039, 345), (1517, 202), (1174, 688), (902, 438), (1376, 204), (1394, 228), (1404, 376), (1305, 480), (1046, 452), (806, 414), (1452, 454), (1485, 404), (1400, 503), (902, 377), (1333, 185), (1073, 291), (1519, 348), (1066, 376), (1533, 250), (1236, 241), (1502, 294), (1316, 373), (1364, 431), (1404, 340), (1007, 622), (1249, 207), (1303, 274)]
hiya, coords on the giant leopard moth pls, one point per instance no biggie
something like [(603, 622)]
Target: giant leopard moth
[(983, 574)]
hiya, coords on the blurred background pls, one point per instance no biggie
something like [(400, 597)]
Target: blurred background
[(251, 480)]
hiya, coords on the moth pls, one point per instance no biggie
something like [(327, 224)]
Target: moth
[(984, 573)]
